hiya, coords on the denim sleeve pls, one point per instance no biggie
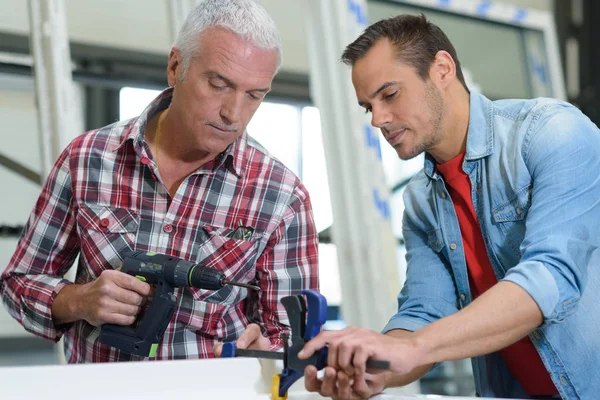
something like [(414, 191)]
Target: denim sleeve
[(429, 292), (562, 154)]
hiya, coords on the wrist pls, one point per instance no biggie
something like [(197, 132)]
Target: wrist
[(422, 349), (67, 306)]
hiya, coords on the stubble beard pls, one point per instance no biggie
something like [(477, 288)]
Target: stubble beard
[(435, 106)]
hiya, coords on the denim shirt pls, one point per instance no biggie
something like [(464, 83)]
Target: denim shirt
[(534, 167)]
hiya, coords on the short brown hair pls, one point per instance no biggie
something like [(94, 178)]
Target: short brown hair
[(417, 42)]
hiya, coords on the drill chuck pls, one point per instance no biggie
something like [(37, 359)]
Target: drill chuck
[(212, 279), (206, 278)]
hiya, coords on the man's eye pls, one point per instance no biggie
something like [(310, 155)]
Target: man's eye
[(367, 110), (217, 86), (389, 96)]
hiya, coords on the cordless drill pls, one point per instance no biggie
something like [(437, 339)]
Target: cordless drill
[(166, 273)]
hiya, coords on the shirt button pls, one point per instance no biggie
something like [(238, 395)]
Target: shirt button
[(168, 228), (228, 245), (444, 195), (145, 160), (463, 297), (104, 222), (453, 246), (518, 211)]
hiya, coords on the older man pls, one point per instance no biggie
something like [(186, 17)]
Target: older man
[(179, 179)]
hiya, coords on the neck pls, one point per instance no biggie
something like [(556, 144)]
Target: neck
[(178, 146), (455, 126)]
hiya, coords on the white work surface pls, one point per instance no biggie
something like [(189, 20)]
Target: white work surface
[(239, 378)]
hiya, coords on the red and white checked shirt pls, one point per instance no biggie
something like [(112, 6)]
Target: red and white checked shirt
[(103, 197)]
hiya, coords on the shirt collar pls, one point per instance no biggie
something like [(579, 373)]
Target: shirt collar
[(480, 134), (134, 131), (234, 156)]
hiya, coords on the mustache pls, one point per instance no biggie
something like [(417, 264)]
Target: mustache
[(226, 128)]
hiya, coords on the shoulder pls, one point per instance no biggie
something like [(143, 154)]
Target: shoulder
[(535, 112), (546, 121), (106, 138), (524, 108)]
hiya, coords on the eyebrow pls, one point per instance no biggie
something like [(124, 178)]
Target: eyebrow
[(382, 87), (233, 85)]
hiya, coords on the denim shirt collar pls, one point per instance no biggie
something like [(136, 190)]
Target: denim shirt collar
[(480, 135)]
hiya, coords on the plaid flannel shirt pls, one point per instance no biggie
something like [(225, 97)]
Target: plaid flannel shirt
[(104, 197)]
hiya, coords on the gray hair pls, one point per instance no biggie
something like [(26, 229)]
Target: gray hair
[(245, 18)]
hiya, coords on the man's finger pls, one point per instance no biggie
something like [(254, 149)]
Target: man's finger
[(126, 309), (311, 382), (329, 383), (217, 349), (250, 335), (361, 387), (129, 282), (345, 352), (127, 296), (120, 319), (344, 386), (359, 360), (317, 343)]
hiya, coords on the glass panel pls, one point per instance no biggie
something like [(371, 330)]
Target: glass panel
[(473, 37), (314, 168), (132, 101), (537, 61), (277, 127), (329, 274)]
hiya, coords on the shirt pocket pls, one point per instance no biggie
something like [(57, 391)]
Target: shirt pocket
[(105, 234), (235, 258), (509, 217)]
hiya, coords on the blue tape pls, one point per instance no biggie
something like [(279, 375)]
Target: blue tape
[(520, 15), (372, 140), (539, 70), (378, 149), (382, 206), (359, 12), (367, 136), (483, 8), (444, 3)]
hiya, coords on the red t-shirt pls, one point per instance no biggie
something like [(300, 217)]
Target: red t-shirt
[(521, 358)]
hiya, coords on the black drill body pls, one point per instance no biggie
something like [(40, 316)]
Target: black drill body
[(153, 267), (166, 273)]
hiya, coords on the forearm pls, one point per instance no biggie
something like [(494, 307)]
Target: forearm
[(395, 380), (498, 318)]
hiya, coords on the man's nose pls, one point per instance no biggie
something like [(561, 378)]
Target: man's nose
[(379, 117), (232, 107)]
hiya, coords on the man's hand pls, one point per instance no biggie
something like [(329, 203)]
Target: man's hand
[(340, 386), (346, 375), (115, 298), (350, 348), (251, 338)]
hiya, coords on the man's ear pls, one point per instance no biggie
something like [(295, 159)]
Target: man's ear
[(174, 66), (443, 69)]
